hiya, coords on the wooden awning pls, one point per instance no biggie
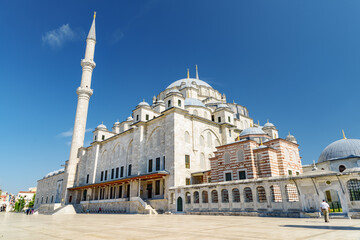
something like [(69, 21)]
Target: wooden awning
[(123, 180)]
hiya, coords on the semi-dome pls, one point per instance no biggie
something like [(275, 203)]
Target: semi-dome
[(343, 148), (188, 82), (143, 103), (193, 102), (101, 126), (252, 131), (173, 91)]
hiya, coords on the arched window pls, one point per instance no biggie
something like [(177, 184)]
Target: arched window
[(205, 197), (214, 196), (187, 137), (275, 193), (202, 141), (240, 155), (209, 140), (342, 168), (248, 194), (188, 198), (202, 161), (236, 195), (261, 194), (291, 193), (227, 158), (224, 196), (196, 197), (353, 186)]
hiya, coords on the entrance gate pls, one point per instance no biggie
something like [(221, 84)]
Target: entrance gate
[(179, 204), (332, 197)]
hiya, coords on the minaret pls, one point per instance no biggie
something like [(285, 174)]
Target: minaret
[(84, 93)]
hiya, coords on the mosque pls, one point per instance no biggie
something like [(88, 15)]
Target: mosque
[(192, 151)]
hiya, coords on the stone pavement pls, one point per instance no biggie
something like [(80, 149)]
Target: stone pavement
[(111, 226)]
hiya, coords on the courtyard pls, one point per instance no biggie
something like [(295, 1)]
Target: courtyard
[(113, 226)]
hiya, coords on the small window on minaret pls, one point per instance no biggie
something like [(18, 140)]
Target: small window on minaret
[(212, 118), (137, 117), (229, 120), (95, 138), (179, 103), (169, 103), (103, 137), (147, 117), (219, 119)]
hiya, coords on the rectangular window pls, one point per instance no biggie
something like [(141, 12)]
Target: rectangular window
[(187, 161), (150, 167), (229, 120), (157, 164), (112, 173), (137, 117), (129, 170), (242, 175), (290, 172), (147, 117), (157, 187), (229, 133), (105, 175), (179, 103), (117, 173), (228, 176), (187, 181), (103, 137), (212, 118), (87, 178), (169, 103), (163, 163), (102, 176), (297, 173), (120, 191), (122, 171), (219, 119), (95, 138)]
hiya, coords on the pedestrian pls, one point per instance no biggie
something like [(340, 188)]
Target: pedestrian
[(99, 210), (325, 208)]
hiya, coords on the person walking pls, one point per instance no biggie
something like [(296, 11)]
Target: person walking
[(325, 208)]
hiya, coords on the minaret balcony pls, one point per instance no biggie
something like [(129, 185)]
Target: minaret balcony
[(86, 91), (88, 63)]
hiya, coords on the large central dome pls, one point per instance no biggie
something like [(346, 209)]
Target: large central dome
[(343, 148), (189, 82)]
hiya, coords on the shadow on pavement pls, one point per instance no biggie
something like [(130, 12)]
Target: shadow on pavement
[(324, 227)]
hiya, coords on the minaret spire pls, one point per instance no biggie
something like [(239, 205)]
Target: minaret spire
[(188, 74), (84, 93), (197, 72)]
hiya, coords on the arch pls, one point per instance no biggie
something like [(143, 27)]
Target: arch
[(214, 196), (353, 186), (291, 193), (129, 152), (342, 168), (224, 196), (217, 138), (261, 194), (179, 204), (240, 155), (205, 197), (187, 198), (217, 143), (202, 161), (275, 193), (202, 141), (235, 195), (196, 197), (209, 139), (248, 194), (227, 158), (187, 137), (195, 112), (153, 132), (206, 115)]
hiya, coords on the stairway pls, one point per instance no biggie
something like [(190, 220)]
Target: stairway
[(145, 205)]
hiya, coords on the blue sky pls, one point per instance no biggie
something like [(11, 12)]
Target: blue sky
[(295, 63)]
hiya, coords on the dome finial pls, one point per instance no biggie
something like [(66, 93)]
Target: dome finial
[(267, 120), (258, 123), (197, 73), (94, 15), (261, 142), (188, 74), (343, 134)]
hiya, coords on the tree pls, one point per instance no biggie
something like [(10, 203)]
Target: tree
[(31, 203), (19, 204)]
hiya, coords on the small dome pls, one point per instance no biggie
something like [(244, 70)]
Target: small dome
[(189, 83), (222, 105), (101, 126), (343, 148), (252, 131), (291, 138), (159, 101), (268, 124), (143, 103), (129, 119), (173, 91), (193, 102), (117, 122)]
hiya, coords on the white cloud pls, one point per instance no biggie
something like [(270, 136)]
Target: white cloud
[(69, 132), (56, 38)]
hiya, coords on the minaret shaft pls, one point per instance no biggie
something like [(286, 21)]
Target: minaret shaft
[(84, 93)]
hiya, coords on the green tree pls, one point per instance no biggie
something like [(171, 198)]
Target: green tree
[(31, 203), (19, 204)]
